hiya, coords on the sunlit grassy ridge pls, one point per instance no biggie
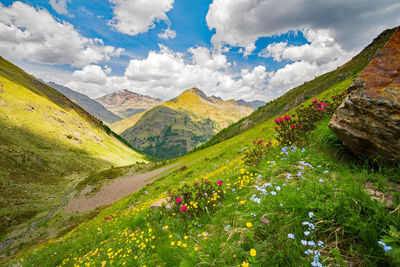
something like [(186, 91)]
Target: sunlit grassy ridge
[(46, 143), (346, 220)]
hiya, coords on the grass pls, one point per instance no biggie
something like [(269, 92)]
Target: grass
[(47, 143), (346, 219)]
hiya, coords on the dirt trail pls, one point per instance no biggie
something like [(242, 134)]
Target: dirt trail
[(115, 190)]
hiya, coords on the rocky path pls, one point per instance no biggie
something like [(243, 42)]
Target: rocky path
[(114, 191)]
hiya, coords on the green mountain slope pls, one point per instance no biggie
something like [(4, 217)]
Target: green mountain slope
[(180, 124), (298, 95), (321, 185), (47, 143), (88, 104)]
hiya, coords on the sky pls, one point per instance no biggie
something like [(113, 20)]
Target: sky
[(240, 49)]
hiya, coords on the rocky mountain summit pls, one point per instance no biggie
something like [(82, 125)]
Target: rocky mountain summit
[(126, 103), (368, 121)]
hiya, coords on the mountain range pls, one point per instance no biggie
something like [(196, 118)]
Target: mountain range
[(125, 103), (88, 104), (177, 126)]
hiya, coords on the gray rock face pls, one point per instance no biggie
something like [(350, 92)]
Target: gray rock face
[(368, 120)]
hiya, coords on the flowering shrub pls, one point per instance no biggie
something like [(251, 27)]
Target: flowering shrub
[(253, 156), (293, 129), (192, 200)]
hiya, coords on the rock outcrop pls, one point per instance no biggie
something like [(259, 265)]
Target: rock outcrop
[(368, 120)]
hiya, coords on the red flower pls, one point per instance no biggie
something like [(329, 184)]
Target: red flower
[(276, 121), (184, 208), (292, 127), (254, 141), (287, 117), (178, 200), (281, 119), (342, 93), (107, 218), (315, 100), (259, 142), (276, 128)]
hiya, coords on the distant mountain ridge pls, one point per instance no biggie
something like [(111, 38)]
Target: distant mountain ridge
[(177, 126), (88, 104), (125, 103), (252, 104)]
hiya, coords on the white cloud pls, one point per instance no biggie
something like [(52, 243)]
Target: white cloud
[(165, 74), (33, 34), (353, 23), (138, 16), (91, 74), (167, 34), (60, 6), (310, 60)]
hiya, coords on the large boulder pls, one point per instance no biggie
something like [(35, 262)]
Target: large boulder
[(368, 120)]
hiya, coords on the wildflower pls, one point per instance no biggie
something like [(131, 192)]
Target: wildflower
[(325, 171), (276, 121), (320, 244), (170, 236), (173, 243), (184, 245), (303, 150), (196, 249), (264, 220), (287, 117), (227, 227), (320, 180), (253, 252), (166, 227), (291, 236), (185, 237), (304, 242), (311, 243), (260, 141), (385, 247), (273, 193), (179, 243), (310, 215), (178, 200), (245, 264), (281, 119), (276, 128), (315, 100), (278, 188), (219, 182), (292, 127), (306, 233), (308, 252), (170, 193), (184, 208), (253, 214), (249, 224)]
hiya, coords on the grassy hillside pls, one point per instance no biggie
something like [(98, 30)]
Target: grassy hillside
[(296, 96), (47, 143), (329, 193), (167, 133), (180, 124), (88, 104)]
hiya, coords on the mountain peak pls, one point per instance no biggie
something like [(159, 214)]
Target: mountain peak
[(195, 91)]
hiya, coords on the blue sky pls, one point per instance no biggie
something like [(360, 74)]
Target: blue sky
[(232, 49)]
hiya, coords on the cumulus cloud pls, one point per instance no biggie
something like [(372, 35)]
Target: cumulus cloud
[(33, 34), (138, 16), (321, 55), (91, 74), (352, 22), (167, 34), (165, 74), (60, 6)]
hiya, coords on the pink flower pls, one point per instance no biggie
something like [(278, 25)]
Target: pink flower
[(322, 104), (183, 208), (315, 100), (281, 119), (322, 109), (170, 193), (276, 121), (219, 182), (299, 125), (197, 183), (342, 93), (276, 128), (287, 117), (178, 200), (254, 141), (259, 142), (292, 127), (264, 220)]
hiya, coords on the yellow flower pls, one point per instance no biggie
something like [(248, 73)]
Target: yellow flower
[(185, 237), (249, 224), (245, 264), (172, 243), (179, 243), (184, 245), (166, 227), (253, 252), (196, 249), (170, 236)]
